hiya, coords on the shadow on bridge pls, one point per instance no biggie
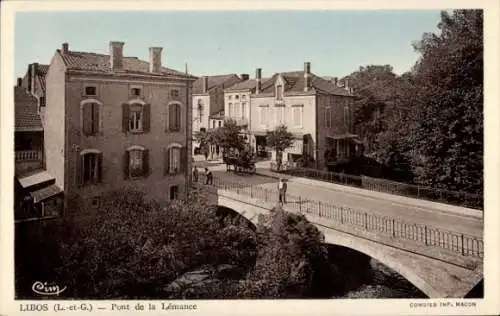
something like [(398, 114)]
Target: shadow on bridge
[(439, 263)]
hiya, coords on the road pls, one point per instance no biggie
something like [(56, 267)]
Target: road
[(432, 218)]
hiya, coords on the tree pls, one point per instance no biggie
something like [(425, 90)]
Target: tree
[(280, 139), (289, 252), (449, 117), (229, 136)]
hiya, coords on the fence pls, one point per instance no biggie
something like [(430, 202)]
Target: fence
[(28, 155), (463, 244), (382, 185)]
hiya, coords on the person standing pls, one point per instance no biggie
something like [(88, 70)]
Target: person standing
[(195, 174), (282, 191), (209, 176)]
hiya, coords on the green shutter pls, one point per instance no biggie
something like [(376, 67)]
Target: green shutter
[(99, 167), (145, 162), (125, 117), (146, 124), (126, 161)]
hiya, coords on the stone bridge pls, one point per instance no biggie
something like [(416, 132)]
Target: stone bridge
[(441, 264)]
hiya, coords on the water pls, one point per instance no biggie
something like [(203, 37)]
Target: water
[(384, 283)]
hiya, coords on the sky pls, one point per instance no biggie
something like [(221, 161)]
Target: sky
[(220, 42)]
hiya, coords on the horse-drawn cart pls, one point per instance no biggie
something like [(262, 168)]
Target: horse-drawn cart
[(241, 163)]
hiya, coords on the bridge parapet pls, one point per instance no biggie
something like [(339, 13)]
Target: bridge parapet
[(456, 248)]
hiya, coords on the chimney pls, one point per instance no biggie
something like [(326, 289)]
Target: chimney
[(335, 82), (155, 59), (205, 84), (19, 82), (258, 80), (244, 77), (65, 48), (116, 55), (307, 76), (34, 70)]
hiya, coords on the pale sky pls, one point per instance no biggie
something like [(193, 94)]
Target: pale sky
[(336, 42)]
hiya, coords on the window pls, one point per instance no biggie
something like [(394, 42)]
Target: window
[(174, 93), (135, 92), (174, 117), (220, 124), (229, 97), (279, 92), (135, 118), (90, 168), (328, 117), (175, 160), (202, 129), (96, 200), (136, 162), (237, 110), (279, 113), (298, 112), (213, 124), (243, 109), (237, 96), (200, 110), (42, 101), (346, 118), (264, 115), (243, 97), (90, 91), (230, 109), (90, 118), (174, 192)]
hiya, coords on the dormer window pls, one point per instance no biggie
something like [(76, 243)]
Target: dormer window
[(279, 92), (136, 92), (90, 91)]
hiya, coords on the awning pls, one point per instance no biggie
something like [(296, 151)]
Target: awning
[(45, 193), (35, 178)]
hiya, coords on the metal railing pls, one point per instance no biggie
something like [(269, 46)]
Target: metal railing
[(28, 155), (458, 198), (349, 218)]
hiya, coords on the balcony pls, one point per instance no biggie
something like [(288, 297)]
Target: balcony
[(27, 160)]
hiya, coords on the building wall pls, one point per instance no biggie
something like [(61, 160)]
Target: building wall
[(55, 123), (244, 116), (338, 124), (204, 123), (113, 142)]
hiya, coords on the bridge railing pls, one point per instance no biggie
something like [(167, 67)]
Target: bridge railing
[(458, 198), (350, 218)]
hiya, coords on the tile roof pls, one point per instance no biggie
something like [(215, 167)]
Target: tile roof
[(294, 82), (45, 193), (100, 63), (246, 85), (41, 73), (223, 81), (26, 111)]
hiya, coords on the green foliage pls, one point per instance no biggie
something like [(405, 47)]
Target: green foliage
[(288, 247), (134, 246), (229, 136), (280, 138), (431, 119)]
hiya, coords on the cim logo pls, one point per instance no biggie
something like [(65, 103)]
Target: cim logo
[(46, 288)]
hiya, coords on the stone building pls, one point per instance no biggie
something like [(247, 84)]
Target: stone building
[(316, 111), (208, 102), (114, 122)]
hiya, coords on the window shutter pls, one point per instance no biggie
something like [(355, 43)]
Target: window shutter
[(125, 117), (178, 117), (145, 162), (171, 117), (95, 118), (166, 161), (79, 171), (99, 167), (183, 160), (126, 161), (146, 114), (87, 118)]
